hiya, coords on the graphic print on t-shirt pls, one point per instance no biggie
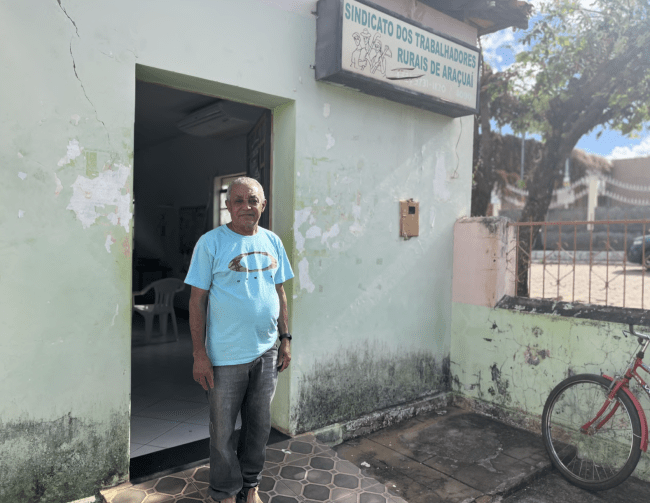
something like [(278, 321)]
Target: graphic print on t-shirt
[(235, 264)]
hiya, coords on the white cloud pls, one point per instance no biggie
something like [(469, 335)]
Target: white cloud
[(640, 150), (493, 43)]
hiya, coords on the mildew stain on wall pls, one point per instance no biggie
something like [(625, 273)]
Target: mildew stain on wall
[(362, 378), (63, 459)]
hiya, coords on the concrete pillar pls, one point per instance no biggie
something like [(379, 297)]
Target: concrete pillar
[(592, 201), (484, 260)]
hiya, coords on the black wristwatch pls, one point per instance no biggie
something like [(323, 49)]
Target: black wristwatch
[(285, 336)]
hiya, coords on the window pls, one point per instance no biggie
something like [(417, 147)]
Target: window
[(221, 215)]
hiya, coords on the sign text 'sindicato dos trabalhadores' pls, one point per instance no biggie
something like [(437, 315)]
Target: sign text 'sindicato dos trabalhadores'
[(445, 52)]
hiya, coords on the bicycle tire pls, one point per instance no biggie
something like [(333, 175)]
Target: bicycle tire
[(599, 459)]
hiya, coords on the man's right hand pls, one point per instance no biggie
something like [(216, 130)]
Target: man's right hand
[(202, 371)]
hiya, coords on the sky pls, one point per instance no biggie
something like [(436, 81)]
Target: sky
[(499, 50)]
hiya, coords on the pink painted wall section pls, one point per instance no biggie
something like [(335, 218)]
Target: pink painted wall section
[(483, 271)]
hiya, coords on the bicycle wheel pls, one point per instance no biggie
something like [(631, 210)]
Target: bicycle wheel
[(598, 458)]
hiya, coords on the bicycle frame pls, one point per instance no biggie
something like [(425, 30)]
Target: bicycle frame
[(623, 383)]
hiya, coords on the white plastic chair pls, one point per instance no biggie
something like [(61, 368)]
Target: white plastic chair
[(163, 306)]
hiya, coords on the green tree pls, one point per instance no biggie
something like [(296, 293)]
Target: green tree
[(583, 67)]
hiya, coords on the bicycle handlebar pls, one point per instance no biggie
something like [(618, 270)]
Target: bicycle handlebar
[(636, 334)]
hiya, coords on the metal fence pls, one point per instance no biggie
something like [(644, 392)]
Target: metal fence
[(594, 262)]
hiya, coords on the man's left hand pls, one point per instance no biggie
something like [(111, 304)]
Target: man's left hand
[(284, 355)]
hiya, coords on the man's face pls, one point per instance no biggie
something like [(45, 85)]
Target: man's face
[(245, 206)]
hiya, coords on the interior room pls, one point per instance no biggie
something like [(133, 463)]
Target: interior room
[(188, 147)]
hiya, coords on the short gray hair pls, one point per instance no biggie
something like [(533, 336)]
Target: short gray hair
[(245, 180)]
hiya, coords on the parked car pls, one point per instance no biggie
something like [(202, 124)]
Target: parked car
[(636, 250)]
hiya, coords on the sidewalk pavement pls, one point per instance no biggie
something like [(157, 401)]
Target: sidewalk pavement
[(450, 455)]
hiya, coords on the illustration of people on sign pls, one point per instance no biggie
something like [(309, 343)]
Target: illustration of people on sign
[(365, 49), (369, 53), (357, 51)]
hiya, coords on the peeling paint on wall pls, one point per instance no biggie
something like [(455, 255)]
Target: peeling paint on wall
[(21, 213), (330, 141), (105, 190), (126, 246), (356, 228), (326, 110), (22, 175), (329, 201), (303, 276), (109, 241), (59, 185), (332, 232), (73, 151), (313, 232), (301, 216)]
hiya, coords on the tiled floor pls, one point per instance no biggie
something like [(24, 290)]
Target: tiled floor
[(297, 470), (167, 407)]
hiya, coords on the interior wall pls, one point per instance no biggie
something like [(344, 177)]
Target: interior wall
[(173, 175)]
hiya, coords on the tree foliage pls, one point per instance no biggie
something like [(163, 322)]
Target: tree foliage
[(584, 65)]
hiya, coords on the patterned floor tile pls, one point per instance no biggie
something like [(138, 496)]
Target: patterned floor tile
[(298, 470)]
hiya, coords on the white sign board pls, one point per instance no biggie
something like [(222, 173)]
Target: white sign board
[(396, 54)]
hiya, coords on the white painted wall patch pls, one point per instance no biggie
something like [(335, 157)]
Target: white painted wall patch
[(105, 190), (74, 119), (20, 156), (303, 275), (356, 228), (333, 231), (330, 141), (300, 217), (73, 151), (21, 213), (313, 232), (326, 110), (329, 201), (109, 241), (22, 175)]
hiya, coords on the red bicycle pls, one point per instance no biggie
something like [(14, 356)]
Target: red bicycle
[(594, 427)]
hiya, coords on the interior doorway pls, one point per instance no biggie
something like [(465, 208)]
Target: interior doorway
[(187, 148)]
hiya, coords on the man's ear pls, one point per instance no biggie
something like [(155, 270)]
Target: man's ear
[(263, 206)]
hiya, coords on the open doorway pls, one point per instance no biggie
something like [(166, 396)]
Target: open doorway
[(188, 147)]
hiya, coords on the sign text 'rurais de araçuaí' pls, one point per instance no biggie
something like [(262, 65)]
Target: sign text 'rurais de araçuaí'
[(363, 46)]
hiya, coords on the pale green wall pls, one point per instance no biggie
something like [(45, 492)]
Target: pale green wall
[(379, 312), (508, 361), (372, 315)]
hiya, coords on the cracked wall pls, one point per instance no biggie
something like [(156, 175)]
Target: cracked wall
[(342, 161), (505, 362), (66, 161)]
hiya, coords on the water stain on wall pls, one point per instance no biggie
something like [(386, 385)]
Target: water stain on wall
[(501, 384), (61, 460), (360, 379)]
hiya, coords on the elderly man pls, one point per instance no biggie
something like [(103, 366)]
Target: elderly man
[(238, 270)]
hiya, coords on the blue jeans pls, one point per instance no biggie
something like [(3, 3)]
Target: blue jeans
[(248, 388)]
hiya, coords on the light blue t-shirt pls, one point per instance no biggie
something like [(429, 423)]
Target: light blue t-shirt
[(241, 273)]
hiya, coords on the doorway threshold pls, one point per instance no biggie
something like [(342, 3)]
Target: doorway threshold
[(181, 457)]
